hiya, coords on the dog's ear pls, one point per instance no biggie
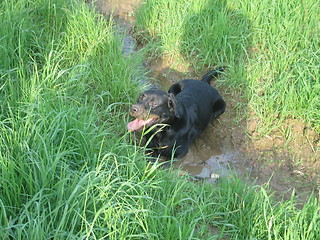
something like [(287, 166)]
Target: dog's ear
[(142, 97), (175, 88), (174, 105)]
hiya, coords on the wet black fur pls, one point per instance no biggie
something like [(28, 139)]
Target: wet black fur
[(187, 109)]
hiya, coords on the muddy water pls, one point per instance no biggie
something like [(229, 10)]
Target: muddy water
[(222, 149)]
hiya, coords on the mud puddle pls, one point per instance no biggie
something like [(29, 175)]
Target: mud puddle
[(224, 148), (213, 154)]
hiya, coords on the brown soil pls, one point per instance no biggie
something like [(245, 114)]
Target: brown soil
[(232, 143)]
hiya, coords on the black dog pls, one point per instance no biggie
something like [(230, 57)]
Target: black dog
[(186, 110)]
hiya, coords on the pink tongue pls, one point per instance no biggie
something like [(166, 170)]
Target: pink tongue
[(137, 124)]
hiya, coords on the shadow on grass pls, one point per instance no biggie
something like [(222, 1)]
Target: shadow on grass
[(216, 35), (202, 33)]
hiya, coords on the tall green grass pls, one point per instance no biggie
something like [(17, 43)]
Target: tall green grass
[(67, 170), (271, 48)]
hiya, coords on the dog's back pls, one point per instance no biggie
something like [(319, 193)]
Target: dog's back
[(200, 98), (200, 103)]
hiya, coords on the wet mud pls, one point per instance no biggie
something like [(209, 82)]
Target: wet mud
[(231, 145)]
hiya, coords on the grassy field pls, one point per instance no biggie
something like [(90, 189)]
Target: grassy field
[(271, 47), (67, 169)]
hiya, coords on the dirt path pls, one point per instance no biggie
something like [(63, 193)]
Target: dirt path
[(230, 142)]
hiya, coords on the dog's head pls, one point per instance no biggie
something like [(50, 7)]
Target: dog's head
[(154, 106)]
